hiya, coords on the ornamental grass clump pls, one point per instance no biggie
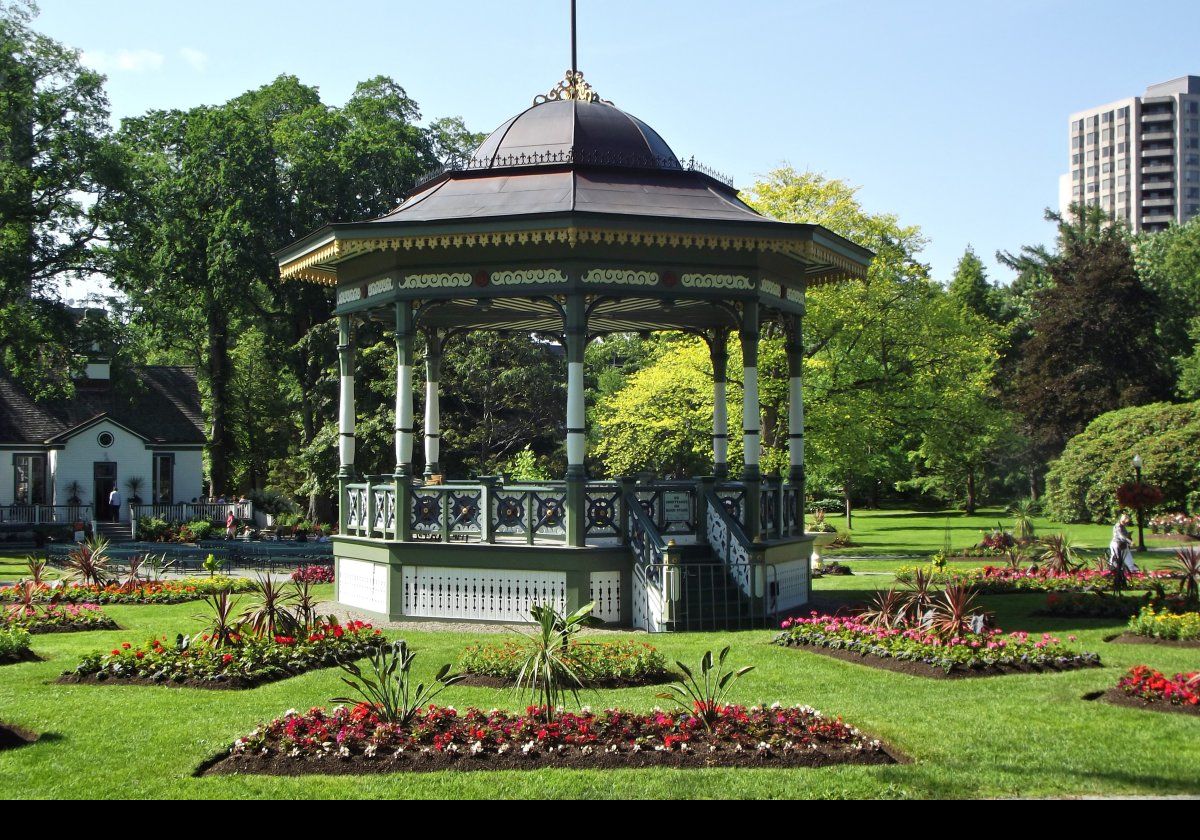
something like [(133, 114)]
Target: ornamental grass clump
[(548, 672), (88, 562)]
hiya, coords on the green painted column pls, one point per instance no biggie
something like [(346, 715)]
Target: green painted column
[(576, 339), (719, 350), (751, 419), (405, 426), (433, 411)]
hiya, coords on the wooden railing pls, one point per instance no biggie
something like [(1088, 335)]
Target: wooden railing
[(45, 514)]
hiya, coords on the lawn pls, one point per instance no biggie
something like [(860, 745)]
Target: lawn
[(1028, 735), (899, 532)]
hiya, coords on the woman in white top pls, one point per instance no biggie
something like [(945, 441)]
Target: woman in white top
[(1121, 548)]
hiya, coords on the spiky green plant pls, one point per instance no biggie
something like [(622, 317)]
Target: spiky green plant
[(1186, 565), (88, 562), (548, 673), (388, 687), (221, 625), (1060, 554), (705, 697), (270, 615), (1023, 512), (37, 570)]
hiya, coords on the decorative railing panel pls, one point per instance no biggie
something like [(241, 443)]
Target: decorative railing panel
[(480, 594), (603, 510), (731, 546)]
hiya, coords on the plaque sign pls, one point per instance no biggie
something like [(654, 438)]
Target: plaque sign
[(677, 507)]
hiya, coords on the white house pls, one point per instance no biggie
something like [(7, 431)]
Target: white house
[(60, 460)]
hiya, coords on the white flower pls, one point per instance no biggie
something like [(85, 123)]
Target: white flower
[(294, 753), (503, 749), (763, 746), (477, 748), (586, 749), (527, 748), (370, 750), (637, 748), (290, 713), (344, 752), (776, 705)]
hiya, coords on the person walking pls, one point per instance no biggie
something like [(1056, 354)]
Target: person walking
[(230, 526), (114, 505), (1120, 550)]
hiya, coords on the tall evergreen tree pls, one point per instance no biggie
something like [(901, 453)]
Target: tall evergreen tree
[(1095, 346)]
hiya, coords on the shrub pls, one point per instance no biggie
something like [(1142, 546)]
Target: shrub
[(153, 529), (14, 643), (271, 502), (196, 531), (313, 574), (1081, 485), (603, 663)]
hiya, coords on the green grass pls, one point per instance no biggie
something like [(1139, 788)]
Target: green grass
[(1028, 735), (924, 532)]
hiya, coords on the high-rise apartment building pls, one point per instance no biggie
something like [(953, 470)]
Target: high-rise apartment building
[(1139, 158)]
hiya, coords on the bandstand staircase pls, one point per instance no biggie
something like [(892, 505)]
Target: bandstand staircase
[(115, 532)]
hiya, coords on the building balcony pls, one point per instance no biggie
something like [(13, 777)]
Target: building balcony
[(1159, 152), (1158, 117), (1159, 202), (1157, 185), (1158, 136), (1158, 218), (1159, 169)]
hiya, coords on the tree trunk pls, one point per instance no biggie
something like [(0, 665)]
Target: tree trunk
[(846, 497), (971, 503), (220, 444)]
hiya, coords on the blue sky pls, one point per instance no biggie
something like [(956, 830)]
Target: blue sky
[(952, 115)]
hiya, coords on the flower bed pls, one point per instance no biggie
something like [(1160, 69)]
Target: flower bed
[(995, 580), (245, 664), (14, 645), (162, 592), (1145, 687), (1163, 624), (59, 618), (607, 664), (920, 652), (313, 574), (354, 740)]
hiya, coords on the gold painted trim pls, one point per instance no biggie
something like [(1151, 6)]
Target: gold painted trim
[(316, 266)]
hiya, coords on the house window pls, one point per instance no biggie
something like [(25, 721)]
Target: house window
[(164, 479), (29, 480), (105, 439)]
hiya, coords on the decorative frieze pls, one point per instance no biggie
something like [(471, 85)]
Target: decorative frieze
[(528, 277), (456, 280), (345, 296), (737, 282), (380, 287), (772, 288), (621, 277)]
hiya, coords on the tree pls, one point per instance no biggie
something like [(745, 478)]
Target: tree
[(1094, 346), (56, 162), (1168, 263), (1082, 484), (970, 286)]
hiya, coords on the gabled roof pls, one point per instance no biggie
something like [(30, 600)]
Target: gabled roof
[(160, 404)]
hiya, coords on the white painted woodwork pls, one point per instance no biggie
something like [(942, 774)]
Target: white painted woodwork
[(751, 443), (362, 584), (480, 594), (606, 594)]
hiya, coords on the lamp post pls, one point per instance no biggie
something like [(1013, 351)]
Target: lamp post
[(1137, 471)]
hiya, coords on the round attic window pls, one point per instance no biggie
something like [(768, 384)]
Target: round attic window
[(105, 439)]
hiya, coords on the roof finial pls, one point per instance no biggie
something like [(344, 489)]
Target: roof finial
[(572, 86)]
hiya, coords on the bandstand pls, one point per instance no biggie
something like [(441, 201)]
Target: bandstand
[(573, 220)]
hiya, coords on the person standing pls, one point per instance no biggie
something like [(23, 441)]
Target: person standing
[(114, 505), (1121, 547)]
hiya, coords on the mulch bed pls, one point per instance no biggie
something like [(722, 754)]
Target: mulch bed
[(488, 681), (231, 684), (922, 669), (1135, 639), (24, 656), (431, 762), (12, 737), (1117, 697), (72, 628)]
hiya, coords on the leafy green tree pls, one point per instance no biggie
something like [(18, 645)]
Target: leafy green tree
[(1094, 344), (56, 162), (1082, 483), (1168, 263)]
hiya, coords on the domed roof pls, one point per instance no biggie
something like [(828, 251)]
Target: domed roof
[(573, 131)]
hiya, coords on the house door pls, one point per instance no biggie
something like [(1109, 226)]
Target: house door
[(105, 474)]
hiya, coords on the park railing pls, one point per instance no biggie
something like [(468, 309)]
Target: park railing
[(45, 514), (183, 512)]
